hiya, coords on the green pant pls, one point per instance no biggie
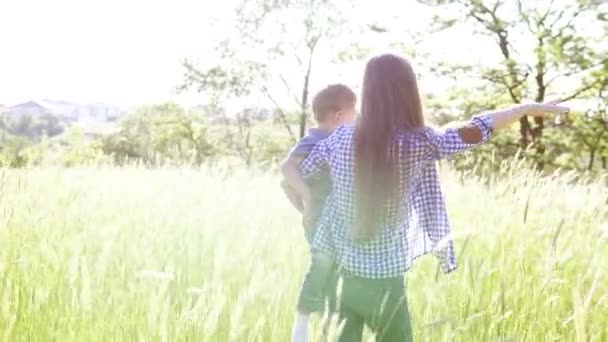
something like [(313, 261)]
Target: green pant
[(378, 303), (319, 286)]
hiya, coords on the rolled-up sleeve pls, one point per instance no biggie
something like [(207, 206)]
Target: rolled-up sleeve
[(445, 143), (317, 162)]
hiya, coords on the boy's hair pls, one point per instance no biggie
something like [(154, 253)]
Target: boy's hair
[(333, 98)]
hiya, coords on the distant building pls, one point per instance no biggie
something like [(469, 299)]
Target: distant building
[(31, 108), (74, 112)]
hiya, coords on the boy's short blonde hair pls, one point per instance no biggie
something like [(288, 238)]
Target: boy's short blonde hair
[(332, 99)]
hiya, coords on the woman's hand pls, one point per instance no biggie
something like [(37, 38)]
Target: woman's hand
[(544, 109), (504, 118)]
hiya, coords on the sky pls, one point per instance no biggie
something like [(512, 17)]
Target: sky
[(119, 51), (129, 52), (126, 52)]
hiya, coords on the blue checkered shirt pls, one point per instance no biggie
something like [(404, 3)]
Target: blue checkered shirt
[(423, 224)]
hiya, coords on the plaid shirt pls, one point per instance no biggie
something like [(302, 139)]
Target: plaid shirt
[(423, 222)]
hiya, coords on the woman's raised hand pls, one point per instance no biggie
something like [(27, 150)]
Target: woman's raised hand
[(544, 109)]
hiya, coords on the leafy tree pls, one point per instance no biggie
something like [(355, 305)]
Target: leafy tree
[(80, 151), (34, 127), (589, 133), (273, 54), (540, 47), (13, 151), (166, 132)]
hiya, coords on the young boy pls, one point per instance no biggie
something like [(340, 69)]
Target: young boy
[(332, 107)]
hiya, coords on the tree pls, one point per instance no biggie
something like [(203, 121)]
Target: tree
[(49, 125), (272, 53), (590, 131), (34, 128), (12, 151), (540, 47), (22, 126), (165, 131)]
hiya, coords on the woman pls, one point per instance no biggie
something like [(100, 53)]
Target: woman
[(386, 207)]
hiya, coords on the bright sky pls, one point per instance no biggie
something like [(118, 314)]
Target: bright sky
[(125, 52), (120, 51)]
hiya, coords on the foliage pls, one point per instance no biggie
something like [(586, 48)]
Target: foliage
[(13, 150), (168, 134), (274, 52), (161, 133), (540, 49), (44, 125), (589, 133), (79, 151)]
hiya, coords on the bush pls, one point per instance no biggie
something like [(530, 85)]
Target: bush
[(164, 133)]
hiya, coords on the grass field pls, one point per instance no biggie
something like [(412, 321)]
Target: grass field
[(205, 255)]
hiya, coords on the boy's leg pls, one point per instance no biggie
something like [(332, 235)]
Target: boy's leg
[(311, 298)]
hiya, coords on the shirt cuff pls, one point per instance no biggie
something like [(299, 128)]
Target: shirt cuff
[(485, 123)]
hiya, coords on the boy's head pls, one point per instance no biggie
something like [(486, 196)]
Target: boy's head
[(334, 106)]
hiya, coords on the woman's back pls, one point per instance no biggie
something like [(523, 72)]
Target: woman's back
[(411, 225)]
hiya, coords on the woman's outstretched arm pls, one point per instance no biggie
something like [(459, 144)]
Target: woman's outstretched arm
[(504, 118), (461, 137)]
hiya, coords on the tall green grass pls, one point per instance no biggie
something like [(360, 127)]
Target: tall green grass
[(130, 254)]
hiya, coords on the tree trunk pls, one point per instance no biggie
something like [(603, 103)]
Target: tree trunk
[(524, 129), (304, 107), (514, 82), (595, 147), (539, 146), (591, 159), (541, 89), (304, 100)]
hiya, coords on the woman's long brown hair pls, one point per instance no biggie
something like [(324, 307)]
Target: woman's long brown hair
[(390, 102)]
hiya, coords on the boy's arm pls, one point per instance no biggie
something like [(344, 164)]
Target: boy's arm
[(300, 166), (293, 176), (292, 196)]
